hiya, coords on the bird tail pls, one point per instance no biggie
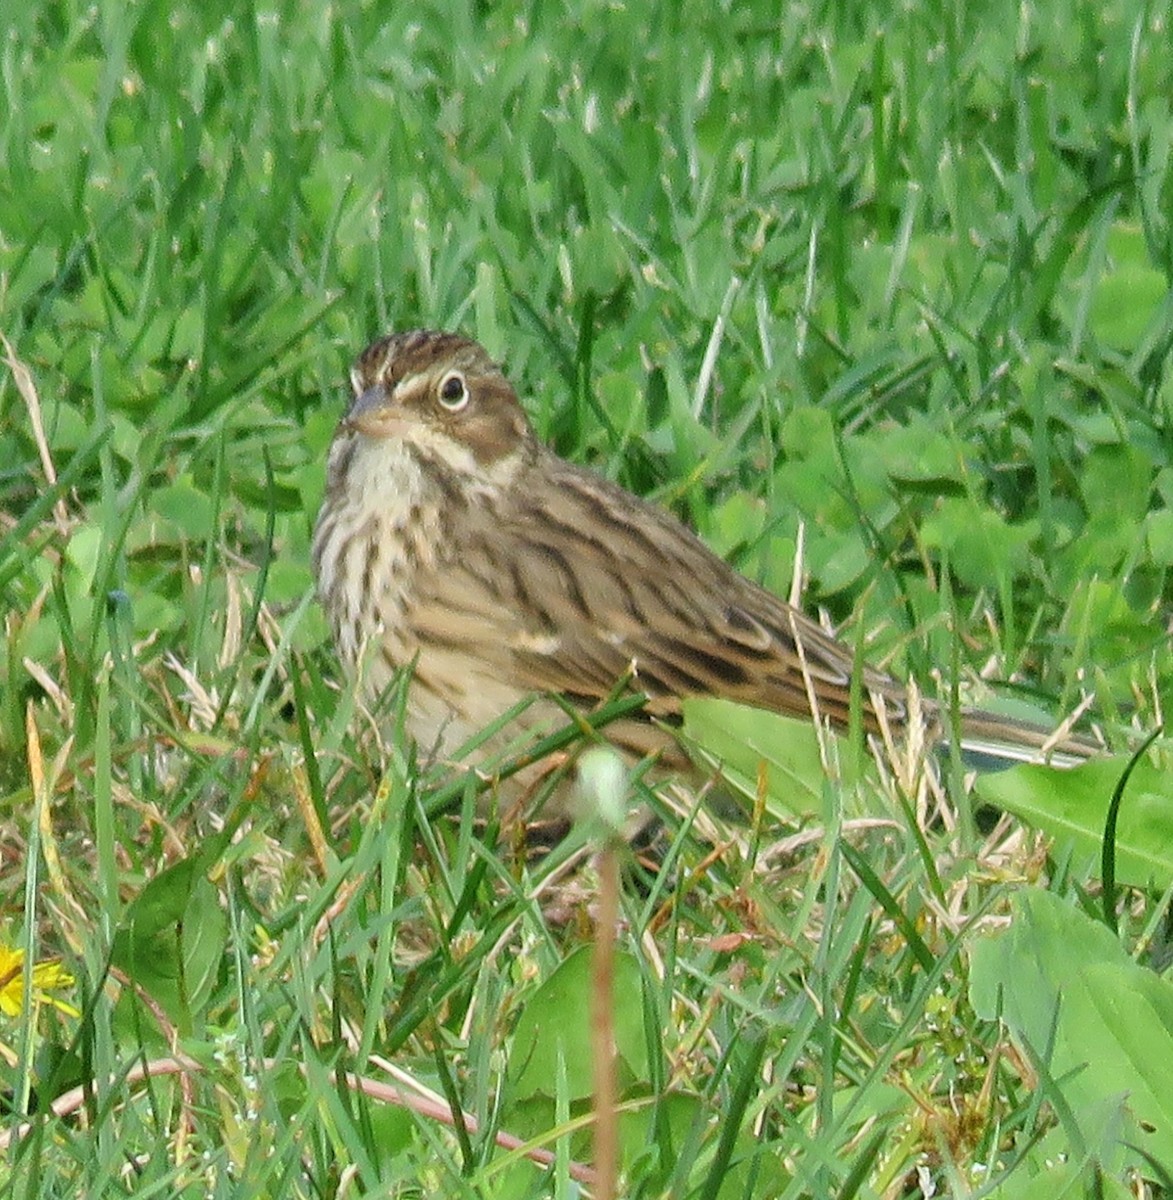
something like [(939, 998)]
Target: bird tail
[(992, 742)]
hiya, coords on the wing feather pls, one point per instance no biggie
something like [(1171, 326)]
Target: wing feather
[(567, 584)]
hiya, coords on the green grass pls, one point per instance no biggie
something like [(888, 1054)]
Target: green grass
[(899, 277)]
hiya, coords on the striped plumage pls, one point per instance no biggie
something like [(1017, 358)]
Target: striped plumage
[(451, 538)]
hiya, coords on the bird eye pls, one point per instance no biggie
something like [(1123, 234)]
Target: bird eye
[(453, 391)]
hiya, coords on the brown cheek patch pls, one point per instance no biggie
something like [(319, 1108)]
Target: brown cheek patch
[(495, 427)]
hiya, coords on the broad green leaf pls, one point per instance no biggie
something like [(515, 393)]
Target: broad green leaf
[(919, 456), (1158, 528), (742, 530), (1116, 483), (1124, 302), (747, 742), (1102, 1024), (555, 1025), (84, 551), (173, 941), (184, 504), (981, 545), (1049, 1173), (1072, 806)]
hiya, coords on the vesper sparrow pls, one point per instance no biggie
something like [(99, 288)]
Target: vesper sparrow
[(452, 541)]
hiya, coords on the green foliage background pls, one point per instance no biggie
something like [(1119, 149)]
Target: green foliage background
[(898, 278)]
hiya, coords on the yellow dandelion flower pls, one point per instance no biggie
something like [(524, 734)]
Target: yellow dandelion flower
[(48, 977)]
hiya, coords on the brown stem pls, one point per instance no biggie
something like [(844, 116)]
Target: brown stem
[(603, 1029)]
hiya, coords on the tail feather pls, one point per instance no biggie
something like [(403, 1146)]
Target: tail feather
[(990, 742)]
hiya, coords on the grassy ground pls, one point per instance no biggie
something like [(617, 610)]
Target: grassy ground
[(896, 277)]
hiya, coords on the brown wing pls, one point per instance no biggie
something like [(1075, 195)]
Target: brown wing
[(570, 581)]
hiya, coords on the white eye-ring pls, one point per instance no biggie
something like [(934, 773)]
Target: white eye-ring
[(453, 391)]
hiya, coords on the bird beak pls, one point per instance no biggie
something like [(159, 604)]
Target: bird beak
[(373, 414)]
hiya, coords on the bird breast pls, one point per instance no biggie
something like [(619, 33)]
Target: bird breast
[(381, 525)]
